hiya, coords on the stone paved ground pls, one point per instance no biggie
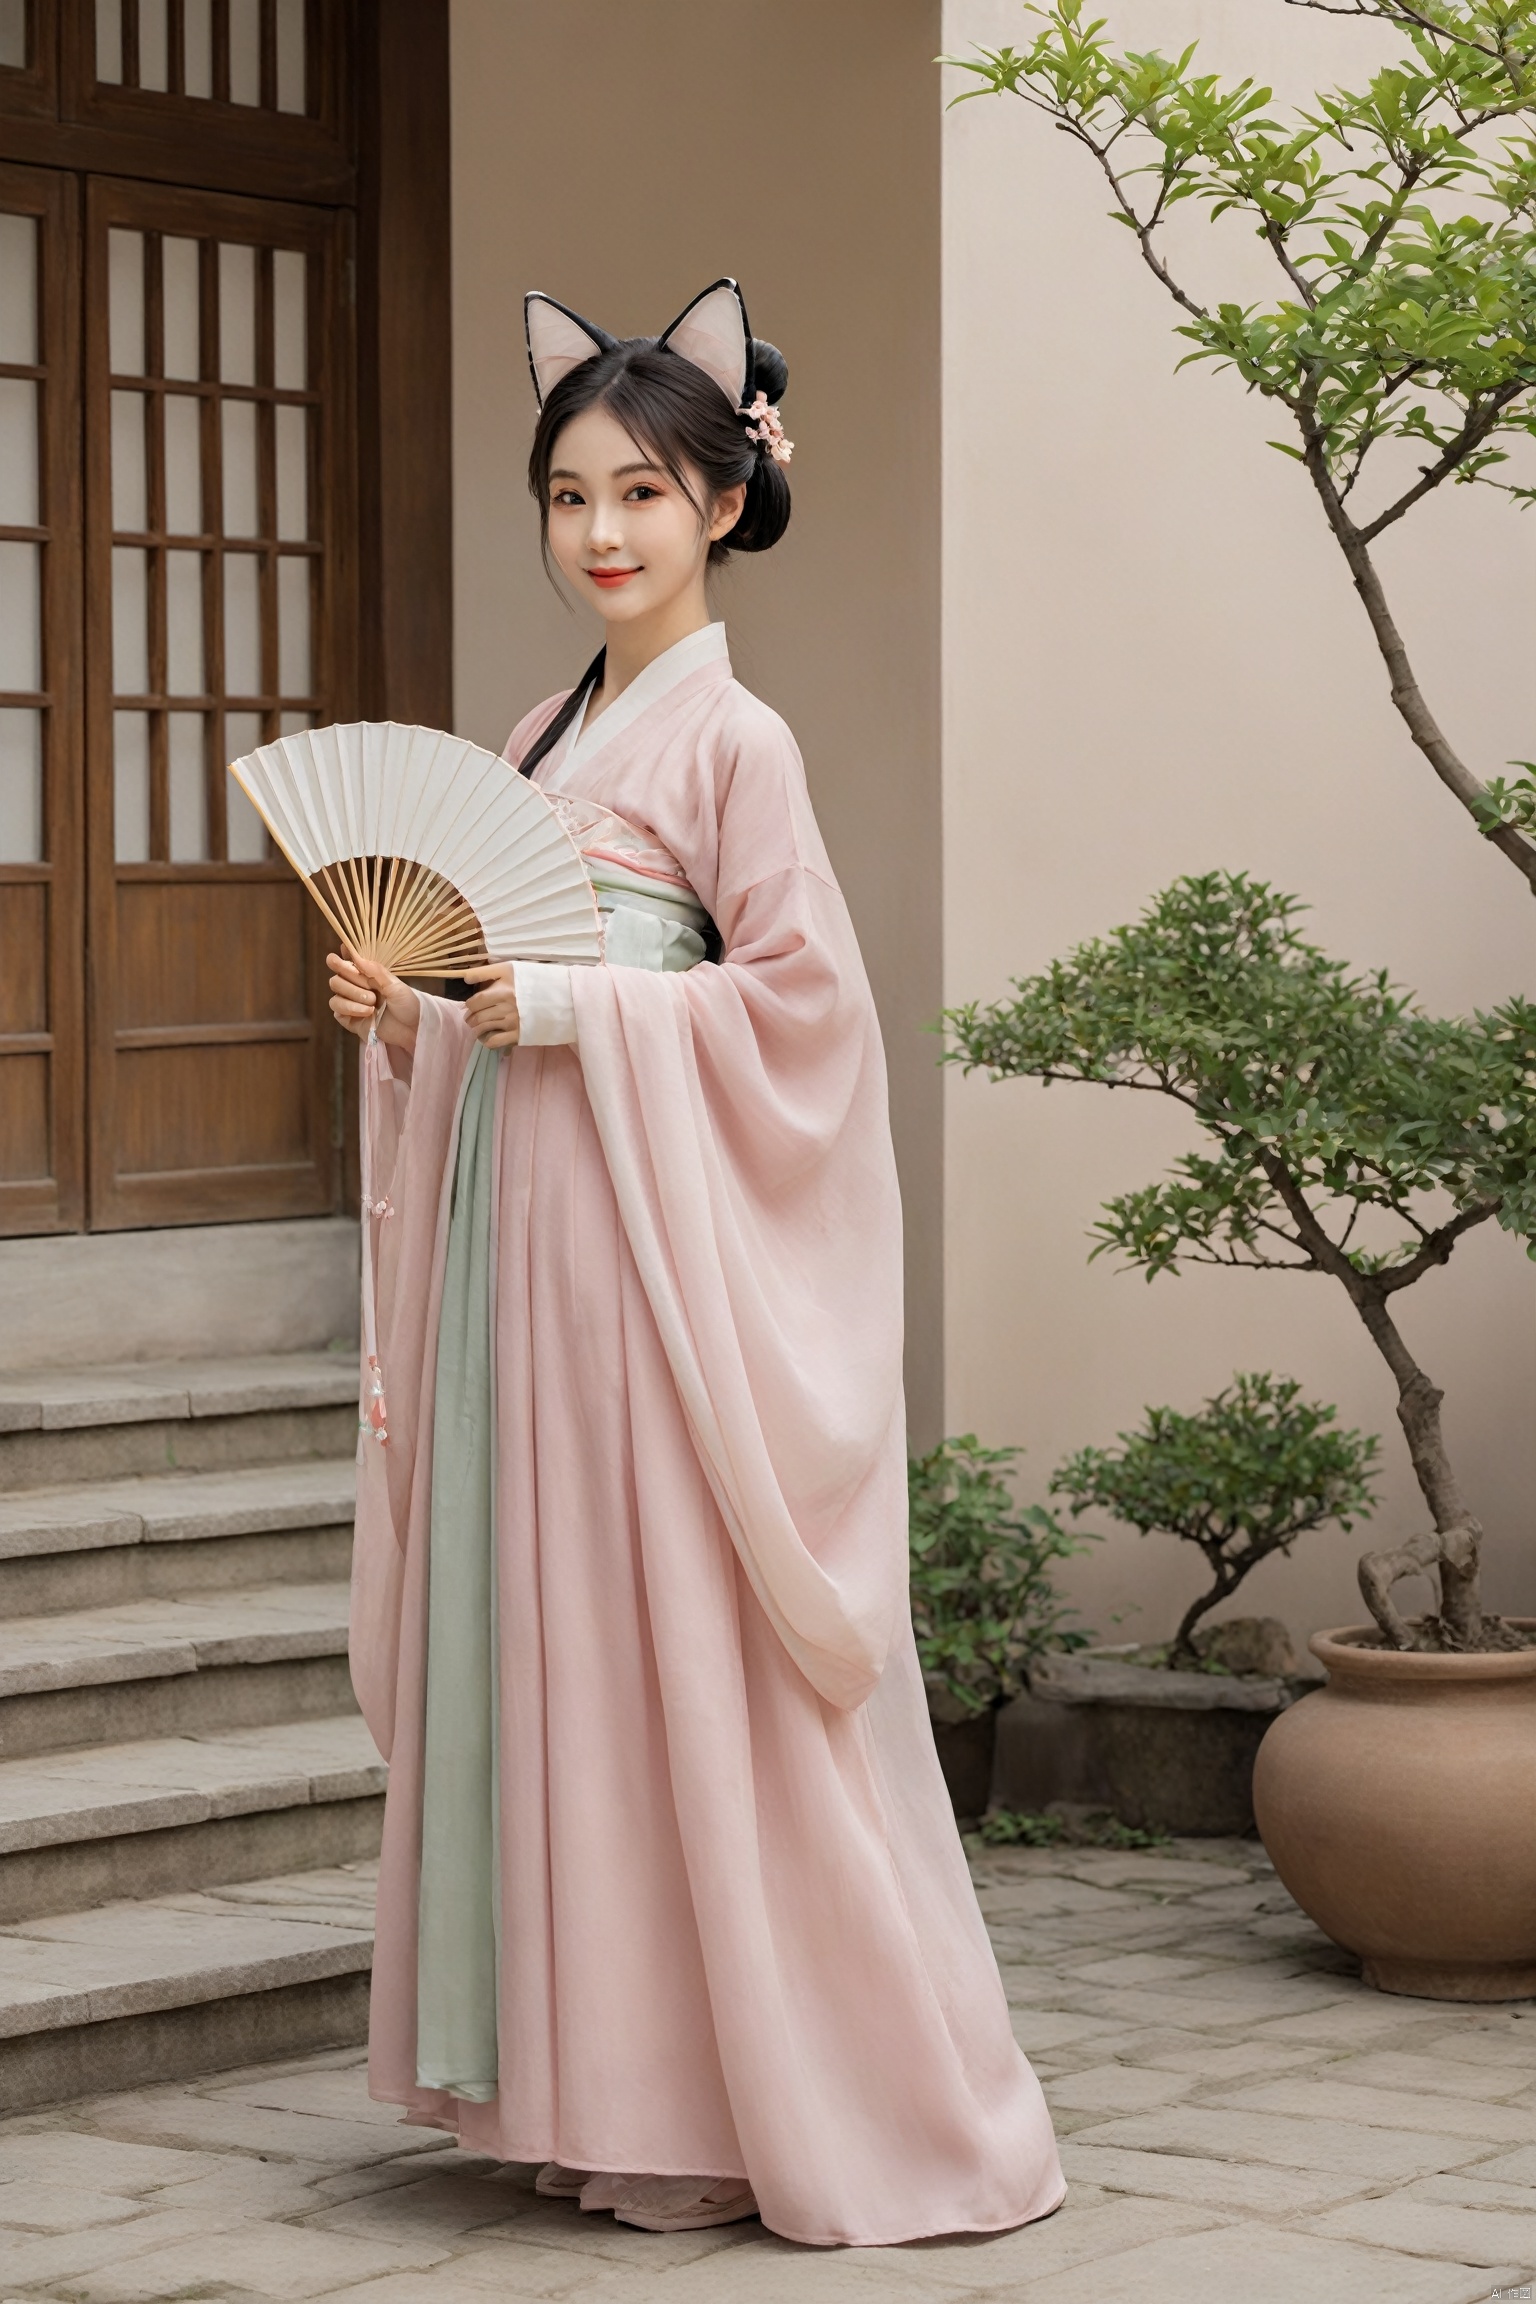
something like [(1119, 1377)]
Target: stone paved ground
[(1242, 2123)]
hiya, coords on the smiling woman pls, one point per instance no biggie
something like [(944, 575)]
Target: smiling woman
[(671, 1896)]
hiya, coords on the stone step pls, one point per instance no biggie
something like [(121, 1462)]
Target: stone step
[(98, 1543), (169, 1415), (133, 1993), (174, 1667), (185, 1812)]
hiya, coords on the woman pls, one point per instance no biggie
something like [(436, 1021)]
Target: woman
[(671, 1899)]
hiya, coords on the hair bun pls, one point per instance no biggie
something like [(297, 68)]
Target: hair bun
[(770, 371)]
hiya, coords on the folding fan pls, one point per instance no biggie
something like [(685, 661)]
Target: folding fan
[(428, 855), (423, 851)]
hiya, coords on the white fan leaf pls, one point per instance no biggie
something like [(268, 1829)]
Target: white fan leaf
[(419, 844)]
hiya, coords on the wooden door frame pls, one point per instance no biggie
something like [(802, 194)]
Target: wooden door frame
[(392, 168), (56, 1203)]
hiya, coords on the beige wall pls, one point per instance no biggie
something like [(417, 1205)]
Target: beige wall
[(1154, 664), (621, 157)]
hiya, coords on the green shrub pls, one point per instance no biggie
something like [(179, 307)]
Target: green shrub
[(1255, 1468), (983, 1600)]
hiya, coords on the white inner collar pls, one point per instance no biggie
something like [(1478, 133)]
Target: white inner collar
[(707, 646)]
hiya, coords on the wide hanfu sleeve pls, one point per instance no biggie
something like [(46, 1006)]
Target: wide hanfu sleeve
[(743, 1115), (411, 1103)]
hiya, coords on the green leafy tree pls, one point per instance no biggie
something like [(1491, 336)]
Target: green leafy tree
[(1254, 1469), (1347, 1134), (983, 1600), (1401, 219)]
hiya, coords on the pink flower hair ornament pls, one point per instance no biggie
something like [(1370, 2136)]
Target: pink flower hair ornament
[(766, 426)]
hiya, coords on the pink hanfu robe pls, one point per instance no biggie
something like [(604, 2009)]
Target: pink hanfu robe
[(736, 1934)]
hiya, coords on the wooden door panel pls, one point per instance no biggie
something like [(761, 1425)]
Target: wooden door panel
[(167, 931), (220, 614), (41, 931)]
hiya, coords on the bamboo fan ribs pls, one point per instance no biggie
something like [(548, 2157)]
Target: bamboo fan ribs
[(424, 852)]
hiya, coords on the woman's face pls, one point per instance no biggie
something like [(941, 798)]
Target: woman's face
[(622, 531)]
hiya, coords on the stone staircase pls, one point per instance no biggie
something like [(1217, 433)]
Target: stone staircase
[(189, 1802)]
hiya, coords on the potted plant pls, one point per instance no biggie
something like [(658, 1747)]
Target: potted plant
[(1172, 1730), (983, 1601), (1352, 1137), (1402, 228)]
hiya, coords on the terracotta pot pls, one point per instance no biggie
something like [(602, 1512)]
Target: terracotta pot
[(966, 1749), (1399, 1807)]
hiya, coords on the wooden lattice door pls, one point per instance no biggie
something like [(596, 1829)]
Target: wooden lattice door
[(41, 916), (204, 206), (218, 615)]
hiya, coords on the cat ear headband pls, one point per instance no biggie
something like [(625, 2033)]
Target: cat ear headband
[(712, 332)]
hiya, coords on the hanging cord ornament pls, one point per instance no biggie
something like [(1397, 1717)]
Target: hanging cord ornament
[(373, 1413), (766, 427)]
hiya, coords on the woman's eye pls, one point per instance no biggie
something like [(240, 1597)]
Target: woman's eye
[(642, 492), (565, 496)]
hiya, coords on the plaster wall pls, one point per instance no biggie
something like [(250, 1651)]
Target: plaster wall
[(1154, 664), (622, 158)]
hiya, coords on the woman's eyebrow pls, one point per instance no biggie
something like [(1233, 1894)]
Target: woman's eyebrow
[(620, 471)]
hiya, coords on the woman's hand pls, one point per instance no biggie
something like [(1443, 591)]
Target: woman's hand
[(492, 1014), (361, 989)]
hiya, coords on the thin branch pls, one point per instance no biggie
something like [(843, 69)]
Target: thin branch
[(1472, 434), (1142, 231), (1406, 693), (1298, 280), (1437, 1247), (1401, 13)]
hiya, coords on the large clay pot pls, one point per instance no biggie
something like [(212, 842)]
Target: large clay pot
[(1399, 1807)]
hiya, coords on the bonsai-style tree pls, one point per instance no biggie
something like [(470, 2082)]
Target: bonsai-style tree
[(1349, 1135), (983, 1603), (1401, 219), (1255, 1468)]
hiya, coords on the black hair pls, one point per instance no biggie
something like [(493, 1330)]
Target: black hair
[(680, 416)]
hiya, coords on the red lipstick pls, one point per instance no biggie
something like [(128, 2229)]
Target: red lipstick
[(612, 578)]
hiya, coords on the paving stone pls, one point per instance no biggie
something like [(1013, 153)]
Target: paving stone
[(64, 2155), (34, 2207), (333, 2095), (1211, 2059), (1443, 2075), (265, 2260), (452, 2283), (444, 2206), (1508, 2046), (561, 2224), (1164, 1875), (1118, 2088), (223, 2126), (1247, 2188), (1330, 2147), (1039, 1899), (1509, 2168), (1217, 2267), (1397, 2108), (1347, 2020), (1135, 1968), (72, 2255), (1228, 1995), (1039, 2029), (1467, 2222)]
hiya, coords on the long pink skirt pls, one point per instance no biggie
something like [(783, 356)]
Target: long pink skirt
[(737, 1935)]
